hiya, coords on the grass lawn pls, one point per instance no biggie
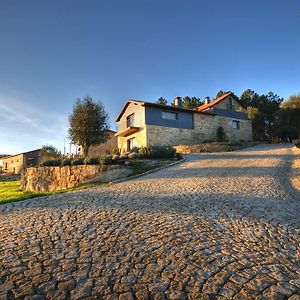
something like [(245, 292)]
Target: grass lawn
[(10, 188), (141, 166), (10, 191)]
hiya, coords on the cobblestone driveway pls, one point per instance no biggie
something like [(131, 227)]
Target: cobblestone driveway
[(218, 226)]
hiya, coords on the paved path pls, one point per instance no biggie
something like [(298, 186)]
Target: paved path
[(218, 226)]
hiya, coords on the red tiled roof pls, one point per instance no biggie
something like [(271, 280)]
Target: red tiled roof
[(203, 107)]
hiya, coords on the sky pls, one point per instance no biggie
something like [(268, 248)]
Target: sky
[(52, 52)]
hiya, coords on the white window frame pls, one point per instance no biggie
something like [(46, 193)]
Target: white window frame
[(237, 126), (166, 115)]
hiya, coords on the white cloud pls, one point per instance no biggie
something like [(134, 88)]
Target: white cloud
[(24, 126)]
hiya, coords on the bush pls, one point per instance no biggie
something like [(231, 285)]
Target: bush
[(92, 161), (178, 156), (296, 143), (135, 150), (52, 163), (116, 157), (116, 151), (157, 151), (105, 160), (221, 136), (78, 162), (66, 162)]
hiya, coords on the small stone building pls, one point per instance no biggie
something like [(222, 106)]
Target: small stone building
[(104, 148), (16, 163), (142, 123)]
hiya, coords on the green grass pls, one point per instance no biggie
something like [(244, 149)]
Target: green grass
[(10, 191), (139, 167)]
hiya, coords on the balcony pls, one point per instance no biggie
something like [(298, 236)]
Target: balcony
[(128, 127)]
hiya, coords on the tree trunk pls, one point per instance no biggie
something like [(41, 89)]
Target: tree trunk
[(85, 151)]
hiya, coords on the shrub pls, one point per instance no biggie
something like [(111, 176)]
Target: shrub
[(78, 162), (296, 143), (105, 160), (221, 136), (66, 162), (92, 161), (52, 163), (178, 156), (135, 150), (116, 151), (157, 151), (144, 152), (116, 157)]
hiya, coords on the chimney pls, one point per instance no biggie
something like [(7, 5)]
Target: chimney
[(207, 100), (178, 101)]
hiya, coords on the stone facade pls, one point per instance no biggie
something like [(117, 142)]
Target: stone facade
[(48, 179), (16, 163), (105, 148), (224, 105), (205, 130)]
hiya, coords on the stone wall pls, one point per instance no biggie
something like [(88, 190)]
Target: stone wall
[(205, 129), (237, 106), (13, 164), (105, 148), (48, 179)]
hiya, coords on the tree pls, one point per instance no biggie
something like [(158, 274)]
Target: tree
[(88, 123), (49, 152), (191, 102), (287, 119), (221, 136), (258, 123), (287, 123), (266, 106), (161, 101), (292, 102), (220, 93)]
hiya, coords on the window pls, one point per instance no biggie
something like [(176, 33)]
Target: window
[(168, 115), (130, 120), (130, 144), (235, 124)]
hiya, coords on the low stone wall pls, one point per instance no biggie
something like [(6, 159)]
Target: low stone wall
[(48, 179)]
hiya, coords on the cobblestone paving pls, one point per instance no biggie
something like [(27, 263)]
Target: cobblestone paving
[(218, 226)]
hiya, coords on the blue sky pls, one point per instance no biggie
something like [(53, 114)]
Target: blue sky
[(52, 52)]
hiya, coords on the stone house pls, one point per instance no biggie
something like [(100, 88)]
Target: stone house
[(104, 148), (142, 123), (16, 163)]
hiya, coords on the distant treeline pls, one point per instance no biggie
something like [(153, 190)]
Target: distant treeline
[(274, 118)]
